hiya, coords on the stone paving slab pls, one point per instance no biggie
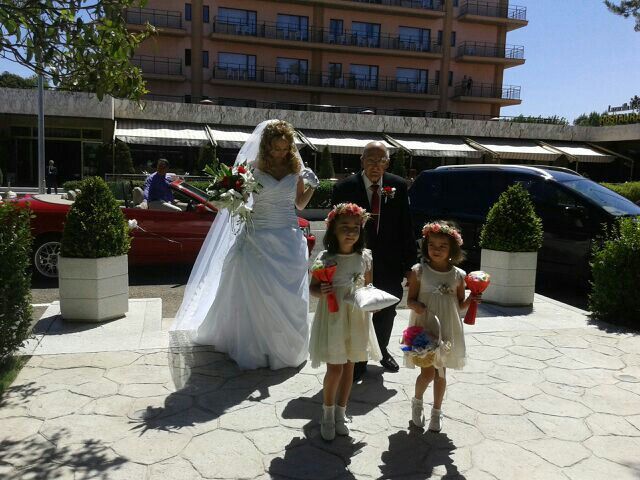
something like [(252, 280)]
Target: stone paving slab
[(545, 395)]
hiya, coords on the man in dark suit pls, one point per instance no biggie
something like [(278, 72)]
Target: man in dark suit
[(51, 177), (389, 233)]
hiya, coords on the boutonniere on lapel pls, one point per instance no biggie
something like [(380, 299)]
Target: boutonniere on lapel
[(388, 193)]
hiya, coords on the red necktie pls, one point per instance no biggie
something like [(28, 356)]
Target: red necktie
[(375, 205)]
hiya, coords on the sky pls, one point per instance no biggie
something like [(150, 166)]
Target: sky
[(579, 58)]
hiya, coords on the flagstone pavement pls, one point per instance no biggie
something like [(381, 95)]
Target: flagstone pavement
[(545, 395)]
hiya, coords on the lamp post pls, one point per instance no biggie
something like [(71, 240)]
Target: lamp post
[(41, 161)]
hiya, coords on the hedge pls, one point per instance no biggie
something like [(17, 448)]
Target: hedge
[(15, 278), (630, 190)]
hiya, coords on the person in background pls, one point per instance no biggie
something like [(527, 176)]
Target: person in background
[(51, 177), (157, 191)]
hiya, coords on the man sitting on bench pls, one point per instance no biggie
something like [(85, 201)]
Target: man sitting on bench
[(157, 191)]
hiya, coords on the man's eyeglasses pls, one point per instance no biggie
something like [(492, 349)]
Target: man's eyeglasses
[(376, 161)]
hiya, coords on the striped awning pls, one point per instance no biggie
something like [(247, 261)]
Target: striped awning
[(515, 149), (344, 142), (581, 152), (225, 136), (161, 133), (423, 146)]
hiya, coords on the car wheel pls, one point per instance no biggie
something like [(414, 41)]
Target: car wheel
[(45, 257)]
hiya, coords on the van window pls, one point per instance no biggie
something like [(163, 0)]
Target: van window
[(425, 194), (471, 192)]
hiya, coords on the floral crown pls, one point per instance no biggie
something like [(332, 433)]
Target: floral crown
[(442, 228), (348, 209)]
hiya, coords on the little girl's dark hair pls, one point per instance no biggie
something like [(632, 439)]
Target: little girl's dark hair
[(330, 240), (451, 232)]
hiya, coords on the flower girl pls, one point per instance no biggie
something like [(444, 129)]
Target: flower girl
[(340, 338)]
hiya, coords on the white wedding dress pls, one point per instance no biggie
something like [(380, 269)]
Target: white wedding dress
[(259, 313)]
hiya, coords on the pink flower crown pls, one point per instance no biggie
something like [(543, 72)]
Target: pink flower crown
[(443, 228), (348, 209)]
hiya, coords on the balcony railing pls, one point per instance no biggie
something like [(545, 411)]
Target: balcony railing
[(158, 65), (493, 9), (487, 90), (322, 35), (437, 5), (481, 49), (157, 18), (323, 79)]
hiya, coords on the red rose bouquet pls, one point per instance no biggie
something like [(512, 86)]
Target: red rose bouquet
[(477, 282), (231, 188), (324, 272)]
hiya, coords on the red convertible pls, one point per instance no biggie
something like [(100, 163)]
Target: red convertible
[(164, 237)]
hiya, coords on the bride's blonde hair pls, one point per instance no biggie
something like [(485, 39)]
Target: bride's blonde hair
[(275, 131)]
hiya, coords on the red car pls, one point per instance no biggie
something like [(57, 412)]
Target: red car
[(164, 237)]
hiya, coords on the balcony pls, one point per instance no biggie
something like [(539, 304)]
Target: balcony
[(437, 5), (324, 39), (166, 20), (159, 68), (503, 95), (495, 13), (327, 82), (480, 52)]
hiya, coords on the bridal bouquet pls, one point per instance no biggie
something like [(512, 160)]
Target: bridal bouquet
[(477, 282), (324, 271), (231, 188)]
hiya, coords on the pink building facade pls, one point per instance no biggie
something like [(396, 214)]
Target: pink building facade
[(445, 57)]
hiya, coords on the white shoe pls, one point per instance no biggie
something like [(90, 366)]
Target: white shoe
[(328, 423), (341, 420), (435, 425), (417, 412)]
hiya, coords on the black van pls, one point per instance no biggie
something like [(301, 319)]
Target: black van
[(573, 209)]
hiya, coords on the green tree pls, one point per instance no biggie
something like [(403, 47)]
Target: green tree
[(207, 156), (326, 165), (81, 45), (399, 168), (593, 119), (11, 80), (626, 8), (123, 160)]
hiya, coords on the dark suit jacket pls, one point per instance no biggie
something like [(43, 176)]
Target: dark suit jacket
[(393, 246)]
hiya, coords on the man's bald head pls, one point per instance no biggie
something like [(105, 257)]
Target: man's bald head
[(374, 160), (375, 148)]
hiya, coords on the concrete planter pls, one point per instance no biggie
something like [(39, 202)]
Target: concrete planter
[(513, 277), (93, 289)]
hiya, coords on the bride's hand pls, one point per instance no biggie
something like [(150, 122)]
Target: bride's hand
[(309, 177), (326, 288)]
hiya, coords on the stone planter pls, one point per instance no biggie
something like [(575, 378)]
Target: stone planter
[(513, 277), (93, 289)]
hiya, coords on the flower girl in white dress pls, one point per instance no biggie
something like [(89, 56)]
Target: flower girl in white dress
[(341, 338)]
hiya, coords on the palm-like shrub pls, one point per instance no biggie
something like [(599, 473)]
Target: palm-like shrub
[(15, 278), (207, 156), (616, 273), (95, 226), (512, 224), (326, 165), (399, 168)]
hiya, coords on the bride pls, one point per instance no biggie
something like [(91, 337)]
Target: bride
[(248, 293)]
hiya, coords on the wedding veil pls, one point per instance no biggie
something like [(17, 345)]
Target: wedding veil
[(204, 280)]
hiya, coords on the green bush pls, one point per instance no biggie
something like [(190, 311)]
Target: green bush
[(95, 226), (207, 156), (616, 274), (123, 160), (15, 278), (512, 224), (322, 196), (630, 190), (399, 168), (326, 165)]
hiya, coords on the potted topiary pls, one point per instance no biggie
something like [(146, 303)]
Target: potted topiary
[(510, 240), (92, 266)]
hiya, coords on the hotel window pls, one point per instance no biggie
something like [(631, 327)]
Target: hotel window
[(364, 76), (205, 14), (336, 27), (292, 70), (334, 77), (436, 78), (292, 27), (415, 38), (412, 79), (205, 58), (187, 12), (237, 65), (232, 20), (450, 83), (366, 34), (187, 57), (453, 39)]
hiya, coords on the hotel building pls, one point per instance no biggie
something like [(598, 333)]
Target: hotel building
[(396, 57)]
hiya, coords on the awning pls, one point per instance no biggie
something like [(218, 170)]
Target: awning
[(234, 137), (161, 133), (514, 149), (344, 142), (582, 153), (423, 146)]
